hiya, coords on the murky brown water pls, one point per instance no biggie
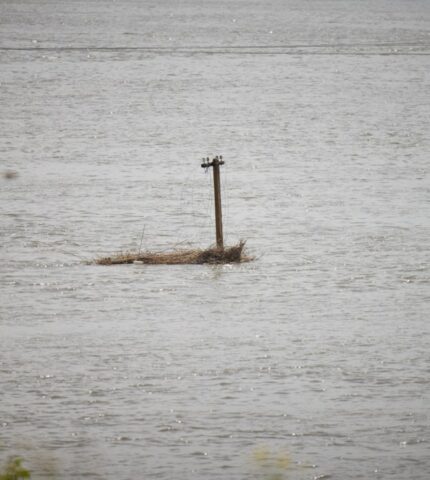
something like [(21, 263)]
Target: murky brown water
[(320, 348)]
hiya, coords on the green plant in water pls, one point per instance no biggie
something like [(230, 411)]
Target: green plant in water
[(14, 470), (279, 465), (275, 465)]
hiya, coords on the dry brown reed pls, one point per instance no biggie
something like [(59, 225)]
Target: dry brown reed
[(212, 255)]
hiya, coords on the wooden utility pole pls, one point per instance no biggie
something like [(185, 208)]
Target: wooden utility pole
[(215, 163)]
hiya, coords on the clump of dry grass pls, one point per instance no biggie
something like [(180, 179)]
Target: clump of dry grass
[(234, 254)]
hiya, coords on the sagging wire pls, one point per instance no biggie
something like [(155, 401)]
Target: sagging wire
[(187, 200)]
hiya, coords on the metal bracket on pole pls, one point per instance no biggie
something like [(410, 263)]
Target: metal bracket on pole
[(215, 163)]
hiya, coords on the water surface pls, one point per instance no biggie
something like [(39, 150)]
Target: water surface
[(319, 348)]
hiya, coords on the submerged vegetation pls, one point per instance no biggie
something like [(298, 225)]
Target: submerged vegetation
[(213, 255), (279, 465), (265, 464), (13, 470)]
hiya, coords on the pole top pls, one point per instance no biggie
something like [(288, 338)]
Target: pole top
[(215, 161)]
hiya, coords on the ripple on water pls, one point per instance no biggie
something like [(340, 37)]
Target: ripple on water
[(319, 347)]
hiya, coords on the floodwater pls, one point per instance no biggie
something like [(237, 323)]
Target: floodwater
[(311, 362)]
